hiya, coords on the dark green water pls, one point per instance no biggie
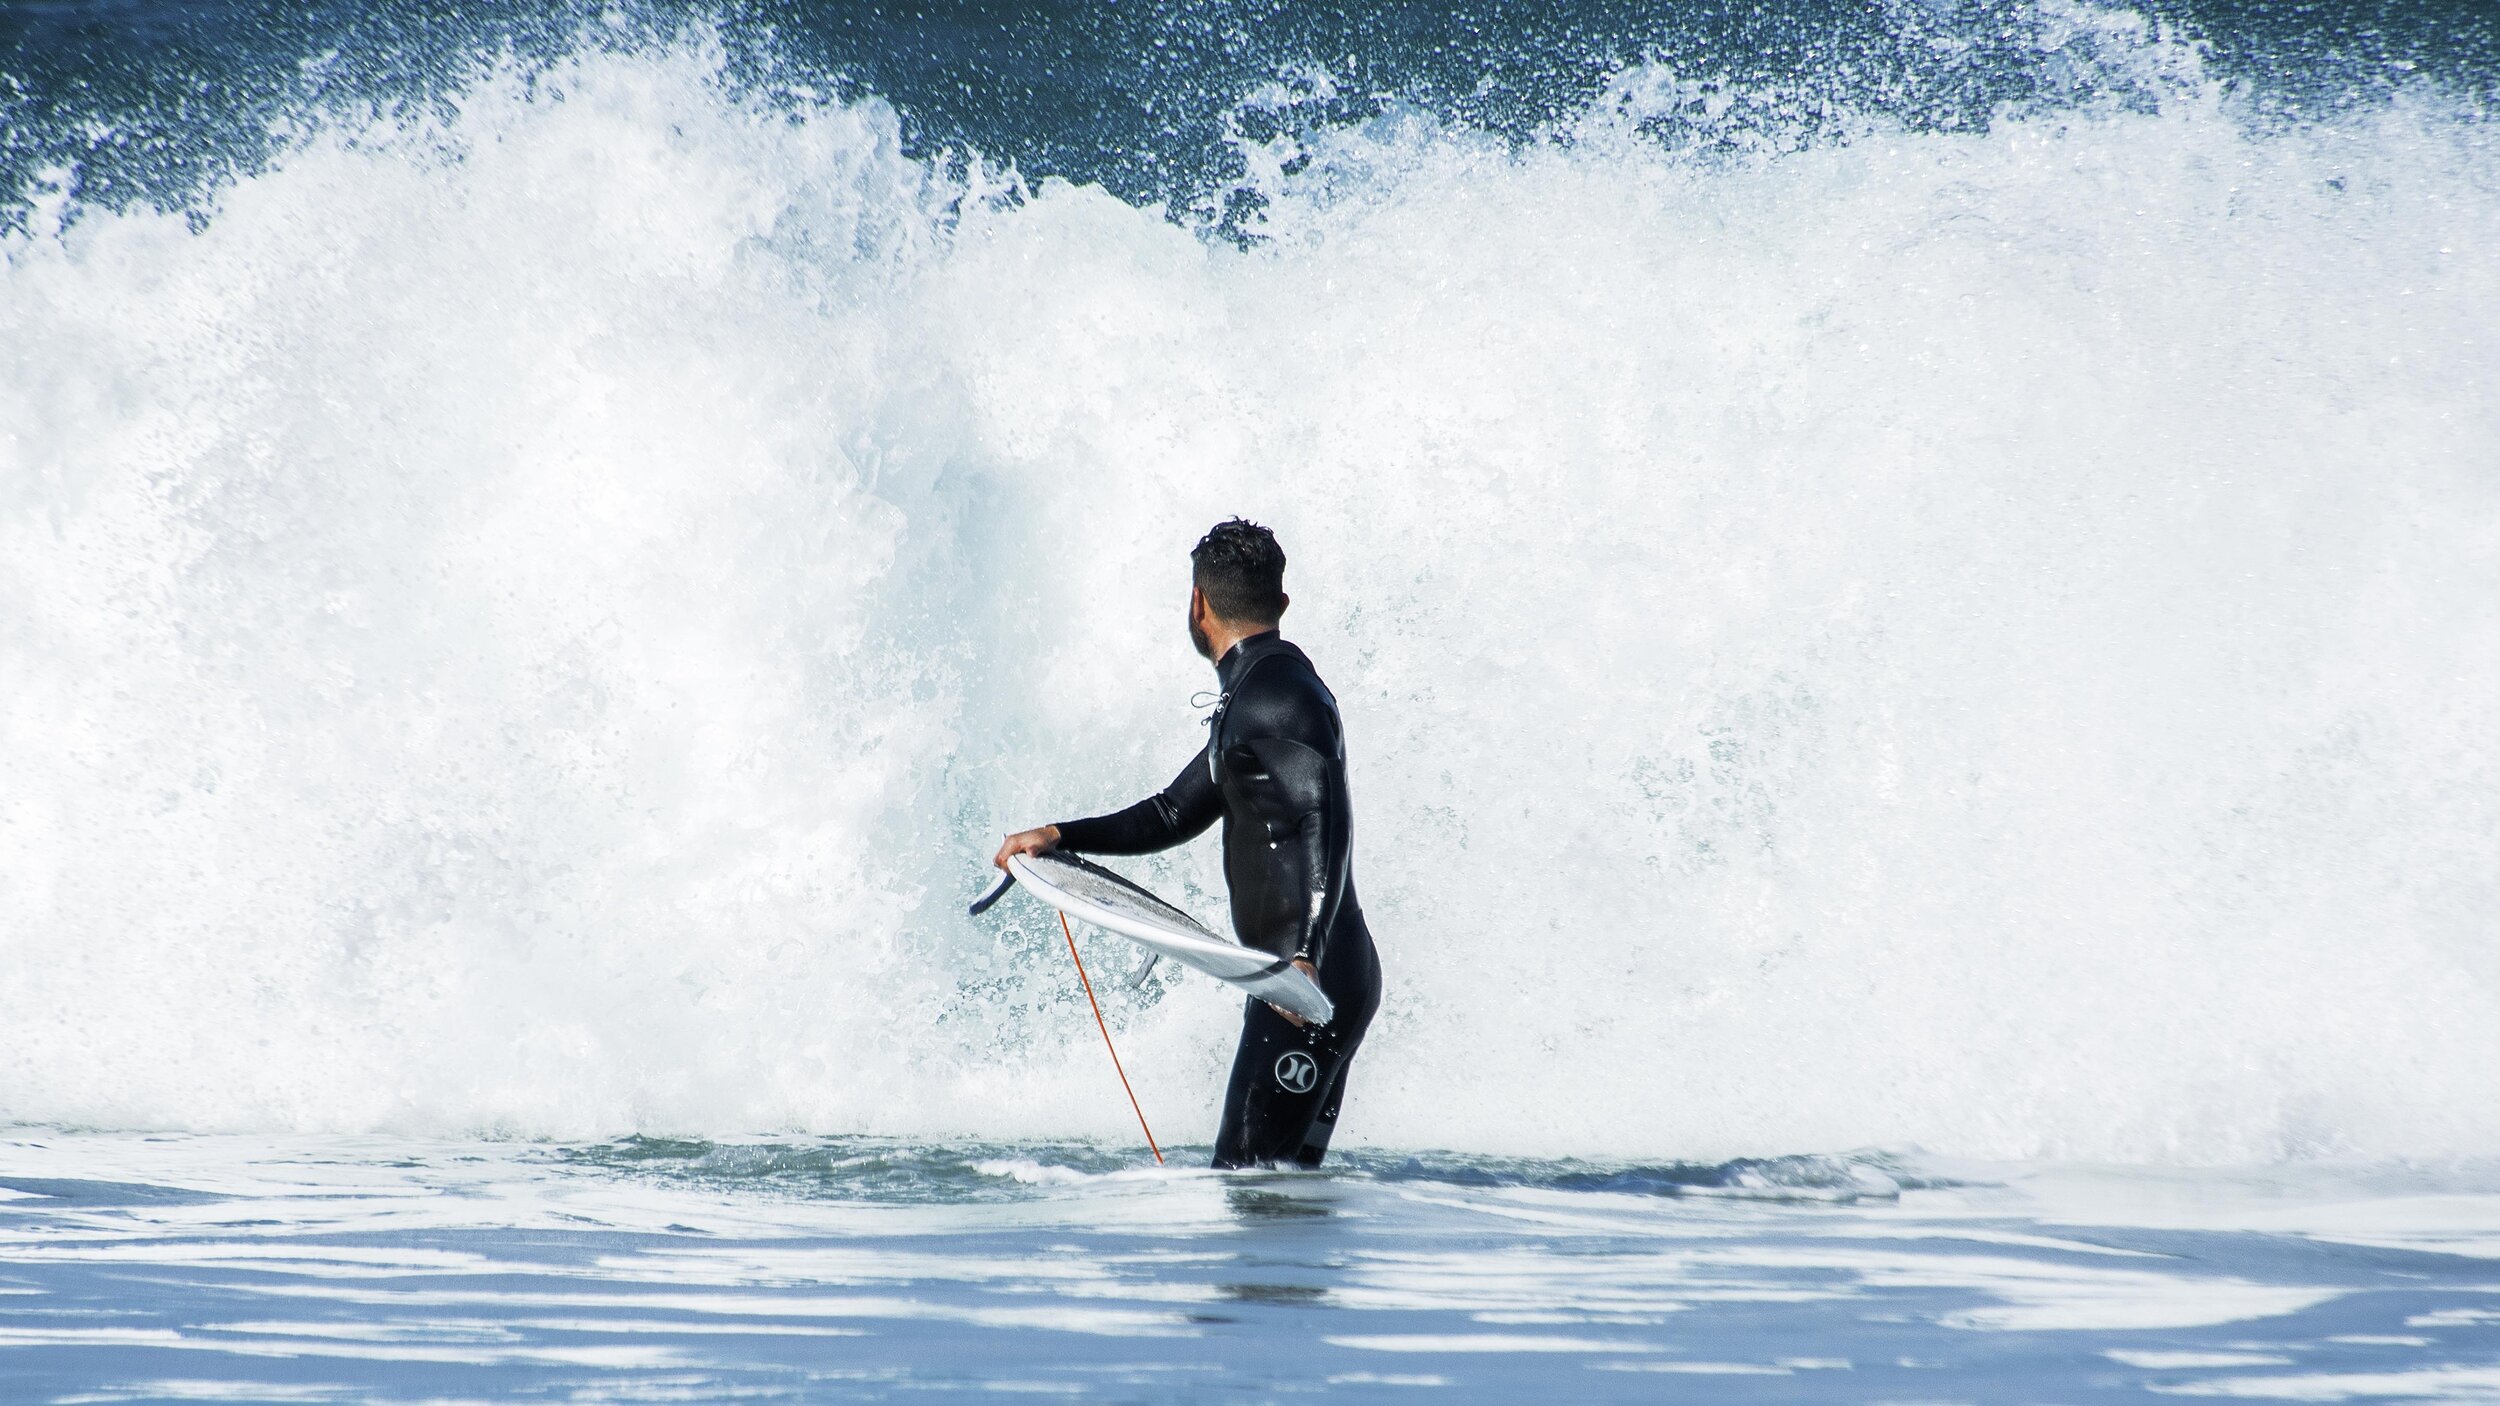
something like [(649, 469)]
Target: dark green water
[(161, 101), (893, 1170)]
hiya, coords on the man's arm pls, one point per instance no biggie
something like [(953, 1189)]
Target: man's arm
[(1177, 814), (1288, 784)]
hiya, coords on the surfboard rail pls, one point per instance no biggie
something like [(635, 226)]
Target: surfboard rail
[(1093, 894)]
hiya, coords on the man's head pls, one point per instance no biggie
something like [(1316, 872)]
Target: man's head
[(1239, 575)]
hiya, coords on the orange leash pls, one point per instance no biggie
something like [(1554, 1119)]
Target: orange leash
[(1070, 934)]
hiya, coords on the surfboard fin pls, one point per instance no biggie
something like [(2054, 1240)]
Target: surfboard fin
[(997, 891)]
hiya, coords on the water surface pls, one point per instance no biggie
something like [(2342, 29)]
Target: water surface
[(361, 1269)]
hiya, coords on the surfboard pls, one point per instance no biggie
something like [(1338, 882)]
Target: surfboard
[(1090, 893)]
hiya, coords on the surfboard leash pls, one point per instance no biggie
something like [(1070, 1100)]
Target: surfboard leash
[(1070, 934)]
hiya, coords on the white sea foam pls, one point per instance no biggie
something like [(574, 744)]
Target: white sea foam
[(1976, 640)]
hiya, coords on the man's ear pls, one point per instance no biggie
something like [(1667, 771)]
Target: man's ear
[(1283, 603)]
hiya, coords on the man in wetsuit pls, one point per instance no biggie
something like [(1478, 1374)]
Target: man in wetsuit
[(1273, 770)]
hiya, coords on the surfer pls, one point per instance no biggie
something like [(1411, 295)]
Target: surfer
[(1273, 770)]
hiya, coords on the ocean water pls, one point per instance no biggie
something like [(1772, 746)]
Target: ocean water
[(353, 1269), (1915, 585)]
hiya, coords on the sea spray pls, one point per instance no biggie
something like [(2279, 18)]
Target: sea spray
[(1977, 637)]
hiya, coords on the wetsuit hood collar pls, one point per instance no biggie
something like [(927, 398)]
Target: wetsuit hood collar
[(1243, 653)]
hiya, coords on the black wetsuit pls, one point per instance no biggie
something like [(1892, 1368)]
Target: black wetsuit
[(1274, 771)]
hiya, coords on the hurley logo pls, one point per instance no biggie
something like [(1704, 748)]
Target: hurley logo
[(1296, 1072)]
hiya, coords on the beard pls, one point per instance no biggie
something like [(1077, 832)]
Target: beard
[(1199, 641)]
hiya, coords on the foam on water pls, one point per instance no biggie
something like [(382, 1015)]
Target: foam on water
[(529, 621)]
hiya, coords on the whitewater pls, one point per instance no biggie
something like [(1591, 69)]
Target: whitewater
[(524, 612), (530, 622)]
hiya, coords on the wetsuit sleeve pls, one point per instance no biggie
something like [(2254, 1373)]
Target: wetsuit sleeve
[(1177, 814), (1288, 783)]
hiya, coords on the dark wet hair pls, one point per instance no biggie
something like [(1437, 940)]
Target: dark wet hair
[(1241, 571)]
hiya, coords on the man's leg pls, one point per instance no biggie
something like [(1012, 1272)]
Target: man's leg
[(1285, 1080), (1324, 1124)]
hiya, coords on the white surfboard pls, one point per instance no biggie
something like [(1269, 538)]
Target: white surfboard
[(1093, 894)]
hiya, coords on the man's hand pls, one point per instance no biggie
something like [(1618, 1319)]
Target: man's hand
[(1307, 970), (1041, 841)]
